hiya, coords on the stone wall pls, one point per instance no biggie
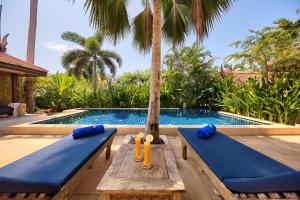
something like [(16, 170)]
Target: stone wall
[(5, 88)]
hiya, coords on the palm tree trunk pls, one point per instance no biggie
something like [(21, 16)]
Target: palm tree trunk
[(30, 81), (152, 126), (94, 76)]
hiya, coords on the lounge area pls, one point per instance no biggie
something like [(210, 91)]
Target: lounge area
[(285, 149), (150, 100)]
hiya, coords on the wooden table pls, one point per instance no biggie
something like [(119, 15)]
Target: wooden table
[(126, 179)]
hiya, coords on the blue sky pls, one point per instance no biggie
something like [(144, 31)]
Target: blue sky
[(57, 16)]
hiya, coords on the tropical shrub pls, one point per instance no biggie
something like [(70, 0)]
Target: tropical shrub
[(277, 101), (61, 91), (190, 77)]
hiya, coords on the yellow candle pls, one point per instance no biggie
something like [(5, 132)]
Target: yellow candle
[(147, 161), (137, 147)]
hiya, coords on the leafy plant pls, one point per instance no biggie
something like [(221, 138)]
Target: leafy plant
[(277, 101)]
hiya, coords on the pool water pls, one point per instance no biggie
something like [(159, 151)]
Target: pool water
[(139, 117)]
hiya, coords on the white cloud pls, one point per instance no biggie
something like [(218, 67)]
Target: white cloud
[(55, 46)]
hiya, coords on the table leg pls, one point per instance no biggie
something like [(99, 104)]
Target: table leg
[(107, 153)]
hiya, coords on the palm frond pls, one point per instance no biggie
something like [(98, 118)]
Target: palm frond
[(176, 20), (142, 29), (118, 22), (212, 11), (100, 36), (73, 37), (108, 62), (71, 56), (109, 15), (81, 66), (197, 18), (92, 45), (98, 12), (111, 54)]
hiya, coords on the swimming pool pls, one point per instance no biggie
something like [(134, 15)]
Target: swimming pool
[(139, 117)]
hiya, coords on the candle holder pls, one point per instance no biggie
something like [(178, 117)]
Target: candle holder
[(139, 159), (149, 166)]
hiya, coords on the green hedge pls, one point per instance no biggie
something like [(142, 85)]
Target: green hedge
[(277, 100)]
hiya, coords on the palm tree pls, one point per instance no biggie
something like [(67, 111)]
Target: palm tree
[(179, 17), (29, 81), (86, 60)]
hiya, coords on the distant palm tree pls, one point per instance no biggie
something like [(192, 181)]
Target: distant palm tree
[(179, 17), (30, 81), (86, 60)]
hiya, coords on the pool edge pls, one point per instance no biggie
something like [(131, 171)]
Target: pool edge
[(269, 129)]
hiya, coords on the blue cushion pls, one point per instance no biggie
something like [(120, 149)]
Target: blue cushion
[(206, 131), (48, 169), (87, 131), (287, 182), (229, 159)]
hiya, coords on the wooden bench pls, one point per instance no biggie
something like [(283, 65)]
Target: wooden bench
[(223, 191), (64, 192)]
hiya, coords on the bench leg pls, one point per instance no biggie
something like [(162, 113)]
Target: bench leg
[(106, 196), (184, 151), (177, 196), (107, 153)]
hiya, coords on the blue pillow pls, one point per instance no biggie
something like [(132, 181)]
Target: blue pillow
[(87, 131), (206, 131)]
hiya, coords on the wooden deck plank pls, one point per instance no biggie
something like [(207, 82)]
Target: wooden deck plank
[(14, 147), (285, 149)]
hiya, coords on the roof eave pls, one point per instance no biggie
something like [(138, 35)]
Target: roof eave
[(25, 70)]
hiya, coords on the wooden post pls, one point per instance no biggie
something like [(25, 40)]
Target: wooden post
[(14, 88), (184, 150), (107, 153)]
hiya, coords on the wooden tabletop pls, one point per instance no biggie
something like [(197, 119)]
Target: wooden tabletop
[(125, 175)]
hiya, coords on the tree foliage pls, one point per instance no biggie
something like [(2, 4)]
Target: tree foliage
[(79, 62), (179, 18), (274, 50), (190, 76)]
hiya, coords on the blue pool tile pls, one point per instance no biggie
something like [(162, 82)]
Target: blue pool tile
[(139, 117)]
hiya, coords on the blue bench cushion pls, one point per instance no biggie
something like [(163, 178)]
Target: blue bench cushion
[(287, 182), (47, 170), (232, 161)]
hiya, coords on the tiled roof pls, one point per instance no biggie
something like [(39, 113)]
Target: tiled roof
[(243, 76), (20, 65)]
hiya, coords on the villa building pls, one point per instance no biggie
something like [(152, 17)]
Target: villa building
[(12, 72)]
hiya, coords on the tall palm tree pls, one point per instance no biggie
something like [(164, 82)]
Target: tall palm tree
[(90, 57), (179, 17), (29, 81)]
